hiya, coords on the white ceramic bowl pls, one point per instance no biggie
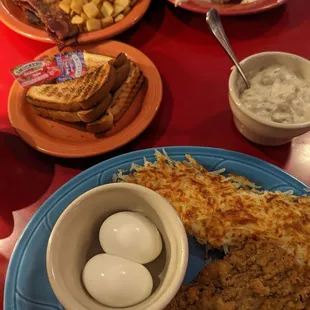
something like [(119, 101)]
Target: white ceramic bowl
[(253, 127), (75, 239)]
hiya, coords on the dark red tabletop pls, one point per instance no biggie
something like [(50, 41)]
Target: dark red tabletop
[(194, 111)]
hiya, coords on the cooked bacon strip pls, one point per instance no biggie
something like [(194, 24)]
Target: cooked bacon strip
[(56, 22)]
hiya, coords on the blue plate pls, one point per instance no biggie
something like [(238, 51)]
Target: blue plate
[(27, 286)]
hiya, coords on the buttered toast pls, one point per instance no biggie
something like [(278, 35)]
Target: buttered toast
[(74, 95), (121, 101), (98, 99), (86, 116), (125, 94)]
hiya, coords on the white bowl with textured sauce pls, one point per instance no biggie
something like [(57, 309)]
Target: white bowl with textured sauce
[(254, 127), (75, 240)]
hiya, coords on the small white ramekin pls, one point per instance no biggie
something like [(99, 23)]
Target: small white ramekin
[(75, 239), (253, 127)]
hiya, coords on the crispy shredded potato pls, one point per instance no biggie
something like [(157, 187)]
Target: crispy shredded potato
[(226, 211)]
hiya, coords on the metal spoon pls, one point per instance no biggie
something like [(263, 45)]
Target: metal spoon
[(214, 22)]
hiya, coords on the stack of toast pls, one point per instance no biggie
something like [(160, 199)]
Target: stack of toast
[(98, 99)]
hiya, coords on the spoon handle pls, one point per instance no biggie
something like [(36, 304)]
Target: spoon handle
[(216, 27)]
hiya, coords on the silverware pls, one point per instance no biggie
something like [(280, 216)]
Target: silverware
[(215, 25)]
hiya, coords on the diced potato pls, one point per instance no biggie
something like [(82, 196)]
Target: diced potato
[(76, 6), (107, 9), (118, 8), (127, 10), (65, 7), (119, 17), (123, 3), (92, 15), (93, 24), (68, 2), (91, 10), (84, 16), (107, 21), (77, 20)]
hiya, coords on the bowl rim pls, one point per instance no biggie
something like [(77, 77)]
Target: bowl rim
[(237, 102), (170, 213)]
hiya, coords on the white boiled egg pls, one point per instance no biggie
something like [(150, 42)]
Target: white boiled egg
[(115, 281), (132, 236)]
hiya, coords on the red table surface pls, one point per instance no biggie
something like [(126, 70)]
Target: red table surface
[(194, 110)]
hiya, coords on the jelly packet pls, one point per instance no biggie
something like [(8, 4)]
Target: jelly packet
[(71, 64), (59, 68), (36, 72)]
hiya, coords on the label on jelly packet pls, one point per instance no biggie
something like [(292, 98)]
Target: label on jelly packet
[(36, 72), (72, 65)]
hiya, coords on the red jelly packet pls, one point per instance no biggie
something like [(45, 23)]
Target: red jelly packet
[(72, 65), (61, 67), (36, 72)]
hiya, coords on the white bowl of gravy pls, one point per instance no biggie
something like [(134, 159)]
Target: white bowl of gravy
[(276, 108)]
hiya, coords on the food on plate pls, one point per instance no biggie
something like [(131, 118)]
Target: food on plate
[(257, 276), (117, 277), (177, 2), (92, 15), (94, 61), (48, 14), (124, 95), (132, 236), (99, 98), (224, 212), (74, 95), (86, 116), (263, 234), (121, 100), (277, 94), (64, 20), (115, 281)]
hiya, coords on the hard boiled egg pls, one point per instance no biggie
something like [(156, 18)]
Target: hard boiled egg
[(132, 236), (115, 281)]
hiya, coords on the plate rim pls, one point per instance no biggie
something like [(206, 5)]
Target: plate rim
[(232, 12), (155, 102), (21, 244), (41, 35)]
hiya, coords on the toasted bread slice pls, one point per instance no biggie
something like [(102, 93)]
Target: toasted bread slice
[(121, 75), (120, 60), (124, 96), (85, 116), (103, 124), (88, 116), (93, 61), (74, 95), (70, 117), (130, 98), (103, 91), (121, 100)]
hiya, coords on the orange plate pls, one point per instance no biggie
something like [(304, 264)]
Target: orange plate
[(231, 9), (14, 18), (71, 141)]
